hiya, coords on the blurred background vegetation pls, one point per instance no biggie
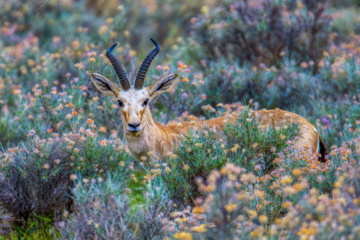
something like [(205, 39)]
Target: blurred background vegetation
[(298, 55)]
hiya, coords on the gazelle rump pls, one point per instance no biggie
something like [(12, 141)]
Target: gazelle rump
[(143, 135)]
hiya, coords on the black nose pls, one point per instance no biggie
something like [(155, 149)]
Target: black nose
[(134, 125)]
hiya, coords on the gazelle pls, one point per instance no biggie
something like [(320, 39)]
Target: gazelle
[(143, 135)]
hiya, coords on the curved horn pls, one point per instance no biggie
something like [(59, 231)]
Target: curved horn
[(118, 68), (140, 77)]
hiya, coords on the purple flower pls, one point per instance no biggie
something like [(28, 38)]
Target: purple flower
[(326, 121), (203, 62)]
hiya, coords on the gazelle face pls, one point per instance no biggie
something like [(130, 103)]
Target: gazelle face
[(134, 103), (134, 108)]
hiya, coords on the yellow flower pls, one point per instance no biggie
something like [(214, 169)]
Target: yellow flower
[(248, 177), (103, 29), (103, 142), (299, 5), (297, 172), (79, 66), (56, 39), (259, 193), (255, 233), (186, 167), (252, 213), (204, 9), (286, 180), (198, 210), (235, 148), (201, 228), (183, 236), (126, 33), (286, 204), (132, 53), (109, 20), (75, 44), (73, 177), (230, 207), (185, 79), (263, 219)]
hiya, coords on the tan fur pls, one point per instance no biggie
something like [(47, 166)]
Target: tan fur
[(156, 140), (166, 137)]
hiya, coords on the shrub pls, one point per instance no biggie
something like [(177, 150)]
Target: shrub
[(38, 176), (345, 24), (320, 216), (293, 201), (5, 222), (103, 211), (220, 215), (267, 34), (244, 142), (346, 3), (36, 182), (93, 154)]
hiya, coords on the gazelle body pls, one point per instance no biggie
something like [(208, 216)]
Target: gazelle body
[(144, 136)]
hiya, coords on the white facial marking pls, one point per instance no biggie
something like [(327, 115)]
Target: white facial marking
[(133, 109)]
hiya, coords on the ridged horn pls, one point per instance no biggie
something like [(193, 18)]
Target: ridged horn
[(140, 77), (118, 68)]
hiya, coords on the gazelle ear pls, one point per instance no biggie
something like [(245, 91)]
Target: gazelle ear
[(104, 85), (163, 85)]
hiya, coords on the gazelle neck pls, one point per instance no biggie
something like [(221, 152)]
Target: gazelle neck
[(147, 143)]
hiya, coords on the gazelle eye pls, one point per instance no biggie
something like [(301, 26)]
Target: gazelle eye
[(146, 102), (120, 103)]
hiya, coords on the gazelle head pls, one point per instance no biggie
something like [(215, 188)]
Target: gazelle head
[(133, 100)]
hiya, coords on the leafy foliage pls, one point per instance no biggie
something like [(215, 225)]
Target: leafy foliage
[(103, 211), (269, 34), (245, 142), (36, 182)]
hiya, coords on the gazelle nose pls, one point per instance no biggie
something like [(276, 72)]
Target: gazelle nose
[(134, 125)]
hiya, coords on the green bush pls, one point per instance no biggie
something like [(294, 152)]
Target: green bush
[(103, 211), (337, 211), (36, 182), (37, 177), (246, 143), (220, 215), (268, 34)]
